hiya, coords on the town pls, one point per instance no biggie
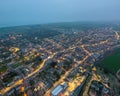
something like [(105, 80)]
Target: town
[(59, 65)]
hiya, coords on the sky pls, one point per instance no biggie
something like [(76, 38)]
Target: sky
[(25, 12)]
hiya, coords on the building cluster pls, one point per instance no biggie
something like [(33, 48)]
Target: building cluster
[(98, 89), (58, 65)]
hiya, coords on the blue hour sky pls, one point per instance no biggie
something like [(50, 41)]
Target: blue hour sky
[(24, 12)]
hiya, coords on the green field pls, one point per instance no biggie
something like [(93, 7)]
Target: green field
[(112, 62), (15, 65), (3, 69)]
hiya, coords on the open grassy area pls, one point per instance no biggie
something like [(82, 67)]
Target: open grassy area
[(3, 69), (15, 65), (112, 62)]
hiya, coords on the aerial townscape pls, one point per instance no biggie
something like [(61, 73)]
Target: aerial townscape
[(60, 59)]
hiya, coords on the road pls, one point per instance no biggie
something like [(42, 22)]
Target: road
[(3, 91), (79, 62), (63, 77), (19, 82)]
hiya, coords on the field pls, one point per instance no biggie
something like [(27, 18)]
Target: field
[(3, 69), (112, 62)]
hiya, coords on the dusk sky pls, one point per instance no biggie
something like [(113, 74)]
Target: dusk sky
[(25, 12)]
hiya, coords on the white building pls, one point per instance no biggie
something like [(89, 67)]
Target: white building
[(59, 89)]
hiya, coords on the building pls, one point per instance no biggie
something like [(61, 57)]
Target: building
[(59, 90)]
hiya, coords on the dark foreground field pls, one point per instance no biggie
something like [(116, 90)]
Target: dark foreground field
[(112, 62)]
